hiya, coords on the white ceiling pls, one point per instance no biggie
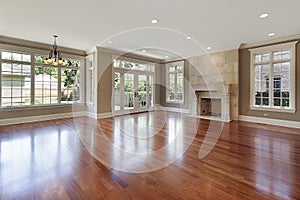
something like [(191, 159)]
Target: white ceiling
[(221, 24)]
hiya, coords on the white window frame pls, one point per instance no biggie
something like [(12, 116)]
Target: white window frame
[(174, 64), (11, 62), (33, 52), (291, 46), (91, 85), (136, 72), (90, 79)]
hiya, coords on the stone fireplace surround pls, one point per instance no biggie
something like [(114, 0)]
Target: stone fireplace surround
[(219, 95)]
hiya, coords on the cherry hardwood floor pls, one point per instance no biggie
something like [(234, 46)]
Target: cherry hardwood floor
[(69, 159)]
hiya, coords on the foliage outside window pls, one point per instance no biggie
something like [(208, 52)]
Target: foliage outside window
[(21, 78), (117, 91), (128, 91), (273, 77), (59, 84), (70, 89), (132, 80), (175, 81), (133, 66)]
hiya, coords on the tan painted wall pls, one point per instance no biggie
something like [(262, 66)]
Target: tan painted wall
[(39, 110), (158, 83), (104, 86), (244, 75)]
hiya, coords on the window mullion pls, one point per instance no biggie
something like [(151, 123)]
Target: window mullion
[(1, 78), (32, 84), (11, 84), (59, 84), (271, 100), (122, 88), (147, 90), (175, 84), (168, 84)]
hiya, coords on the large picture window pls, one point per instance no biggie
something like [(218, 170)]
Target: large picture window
[(45, 85), (273, 77), (26, 80), (15, 79), (175, 81)]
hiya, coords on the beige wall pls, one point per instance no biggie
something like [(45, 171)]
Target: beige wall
[(158, 83), (217, 68), (105, 80), (39, 110), (104, 84), (244, 75)]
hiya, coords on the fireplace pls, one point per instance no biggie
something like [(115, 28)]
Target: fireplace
[(209, 107), (211, 103)]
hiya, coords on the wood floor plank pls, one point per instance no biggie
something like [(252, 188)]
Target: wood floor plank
[(64, 159)]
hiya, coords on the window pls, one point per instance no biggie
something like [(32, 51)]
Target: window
[(70, 85), (25, 80), (15, 79), (45, 85), (91, 84), (56, 84), (133, 65), (132, 85), (175, 81), (273, 77)]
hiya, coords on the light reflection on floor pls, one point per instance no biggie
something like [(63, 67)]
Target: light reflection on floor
[(37, 157)]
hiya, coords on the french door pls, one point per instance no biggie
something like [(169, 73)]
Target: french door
[(133, 91)]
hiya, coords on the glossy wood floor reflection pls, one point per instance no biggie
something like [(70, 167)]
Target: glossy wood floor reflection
[(49, 160)]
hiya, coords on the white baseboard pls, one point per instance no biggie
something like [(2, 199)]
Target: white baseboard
[(99, 116), (278, 122), (21, 120), (104, 115), (91, 115), (212, 118), (171, 109)]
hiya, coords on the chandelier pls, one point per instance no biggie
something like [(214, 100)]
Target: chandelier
[(55, 56)]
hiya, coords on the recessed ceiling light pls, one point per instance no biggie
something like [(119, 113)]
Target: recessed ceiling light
[(264, 15), (154, 21), (166, 56), (109, 42), (188, 37), (143, 50), (208, 48), (271, 34)]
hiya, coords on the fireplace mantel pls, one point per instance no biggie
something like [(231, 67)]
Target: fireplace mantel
[(217, 91), (224, 88)]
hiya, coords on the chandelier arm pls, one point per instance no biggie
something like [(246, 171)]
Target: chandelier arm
[(55, 54)]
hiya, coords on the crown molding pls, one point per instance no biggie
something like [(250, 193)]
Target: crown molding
[(37, 45), (129, 55), (270, 42), (91, 51)]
